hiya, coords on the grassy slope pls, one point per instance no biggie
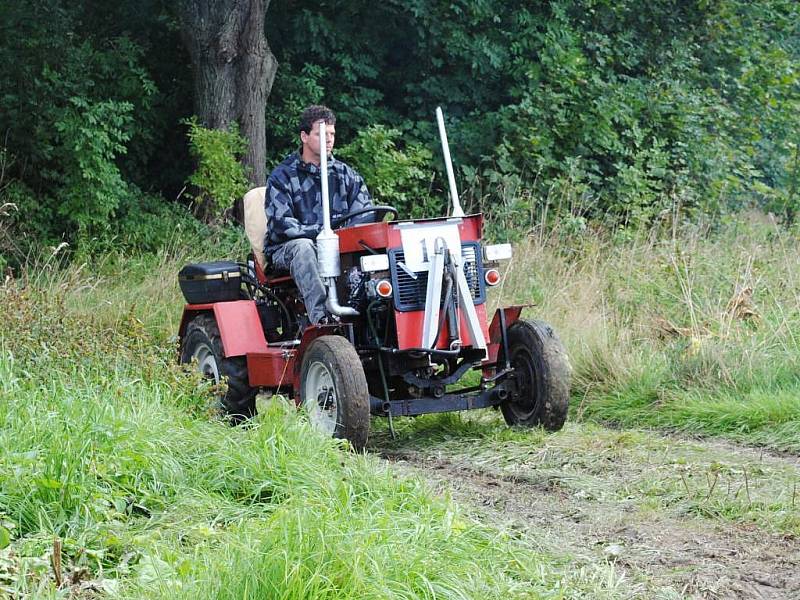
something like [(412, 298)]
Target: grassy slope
[(109, 447)]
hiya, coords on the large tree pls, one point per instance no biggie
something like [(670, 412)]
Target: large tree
[(233, 69)]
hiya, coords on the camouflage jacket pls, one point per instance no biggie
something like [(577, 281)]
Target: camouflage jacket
[(294, 199)]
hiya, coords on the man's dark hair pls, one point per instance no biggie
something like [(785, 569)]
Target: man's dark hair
[(314, 113)]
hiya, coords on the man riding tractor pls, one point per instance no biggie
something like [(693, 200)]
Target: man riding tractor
[(294, 208), (412, 324)]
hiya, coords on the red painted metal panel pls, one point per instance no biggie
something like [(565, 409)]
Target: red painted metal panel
[(279, 368), (512, 314), (382, 236), (239, 327), (373, 235), (409, 328), (481, 310), (190, 311), (273, 369), (471, 228)]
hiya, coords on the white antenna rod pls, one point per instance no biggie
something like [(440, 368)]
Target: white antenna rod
[(457, 210)]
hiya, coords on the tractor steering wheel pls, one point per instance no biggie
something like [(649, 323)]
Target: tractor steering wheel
[(384, 210)]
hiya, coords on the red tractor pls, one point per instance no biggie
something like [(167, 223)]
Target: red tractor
[(411, 325)]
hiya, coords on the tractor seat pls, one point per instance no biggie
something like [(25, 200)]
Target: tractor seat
[(255, 226)]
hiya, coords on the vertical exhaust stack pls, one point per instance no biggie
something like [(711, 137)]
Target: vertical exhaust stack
[(448, 163), (327, 240)]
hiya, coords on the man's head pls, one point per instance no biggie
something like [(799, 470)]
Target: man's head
[(309, 131)]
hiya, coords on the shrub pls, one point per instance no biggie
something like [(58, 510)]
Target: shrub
[(400, 177), (92, 135), (220, 178)]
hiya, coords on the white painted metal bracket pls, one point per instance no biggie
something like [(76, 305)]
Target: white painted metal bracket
[(433, 296), (467, 304)]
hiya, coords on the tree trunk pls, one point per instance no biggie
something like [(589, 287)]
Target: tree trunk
[(233, 71)]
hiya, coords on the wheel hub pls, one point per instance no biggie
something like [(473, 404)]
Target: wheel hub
[(523, 380), (326, 398), (319, 398), (206, 363)]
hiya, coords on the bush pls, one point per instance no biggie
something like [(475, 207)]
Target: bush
[(398, 177), (220, 177), (148, 224), (91, 136)]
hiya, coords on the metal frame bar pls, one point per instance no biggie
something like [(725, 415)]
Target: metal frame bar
[(408, 407), (433, 297)]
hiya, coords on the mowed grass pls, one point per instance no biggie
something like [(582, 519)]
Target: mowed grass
[(696, 330), (645, 472), (116, 479)]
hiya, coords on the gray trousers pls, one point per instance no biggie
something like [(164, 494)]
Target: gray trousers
[(299, 257)]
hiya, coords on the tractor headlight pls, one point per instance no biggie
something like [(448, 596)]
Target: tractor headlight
[(492, 277), (494, 252), (375, 262)]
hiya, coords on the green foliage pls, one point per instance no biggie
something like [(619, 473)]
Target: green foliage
[(399, 178), (71, 104), (148, 224), (90, 136), (294, 90), (604, 111), (634, 104), (220, 177)]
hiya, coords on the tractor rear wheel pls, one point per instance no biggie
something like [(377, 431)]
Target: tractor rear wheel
[(202, 343), (333, 390), (541, 366)]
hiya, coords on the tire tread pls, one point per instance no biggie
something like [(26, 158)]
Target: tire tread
[(553, 372), (239, 401)]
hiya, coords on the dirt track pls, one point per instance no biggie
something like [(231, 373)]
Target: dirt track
[(646, 512)]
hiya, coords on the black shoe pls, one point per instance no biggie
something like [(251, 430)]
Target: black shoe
[(328, 320)]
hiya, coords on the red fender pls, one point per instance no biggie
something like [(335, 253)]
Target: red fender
[(238, 322), (512, 314)]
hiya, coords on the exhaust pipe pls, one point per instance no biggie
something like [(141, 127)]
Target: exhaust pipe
[(333, 306), (327, 240)]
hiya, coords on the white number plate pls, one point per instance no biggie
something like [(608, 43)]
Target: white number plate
[(419, 242)]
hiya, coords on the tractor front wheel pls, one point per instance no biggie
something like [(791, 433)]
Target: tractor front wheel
[(540, 391), (333, 390), (202, 344)]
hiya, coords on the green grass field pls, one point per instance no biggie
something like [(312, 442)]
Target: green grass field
[(696, 332), (113, 453)]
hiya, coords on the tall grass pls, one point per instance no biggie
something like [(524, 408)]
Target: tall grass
[(111, 449), (695, 329), (112, 462)]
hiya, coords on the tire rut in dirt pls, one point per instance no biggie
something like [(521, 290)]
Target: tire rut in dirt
[(697, 558)]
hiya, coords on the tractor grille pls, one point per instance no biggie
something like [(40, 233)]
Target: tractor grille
[(409, 293)]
